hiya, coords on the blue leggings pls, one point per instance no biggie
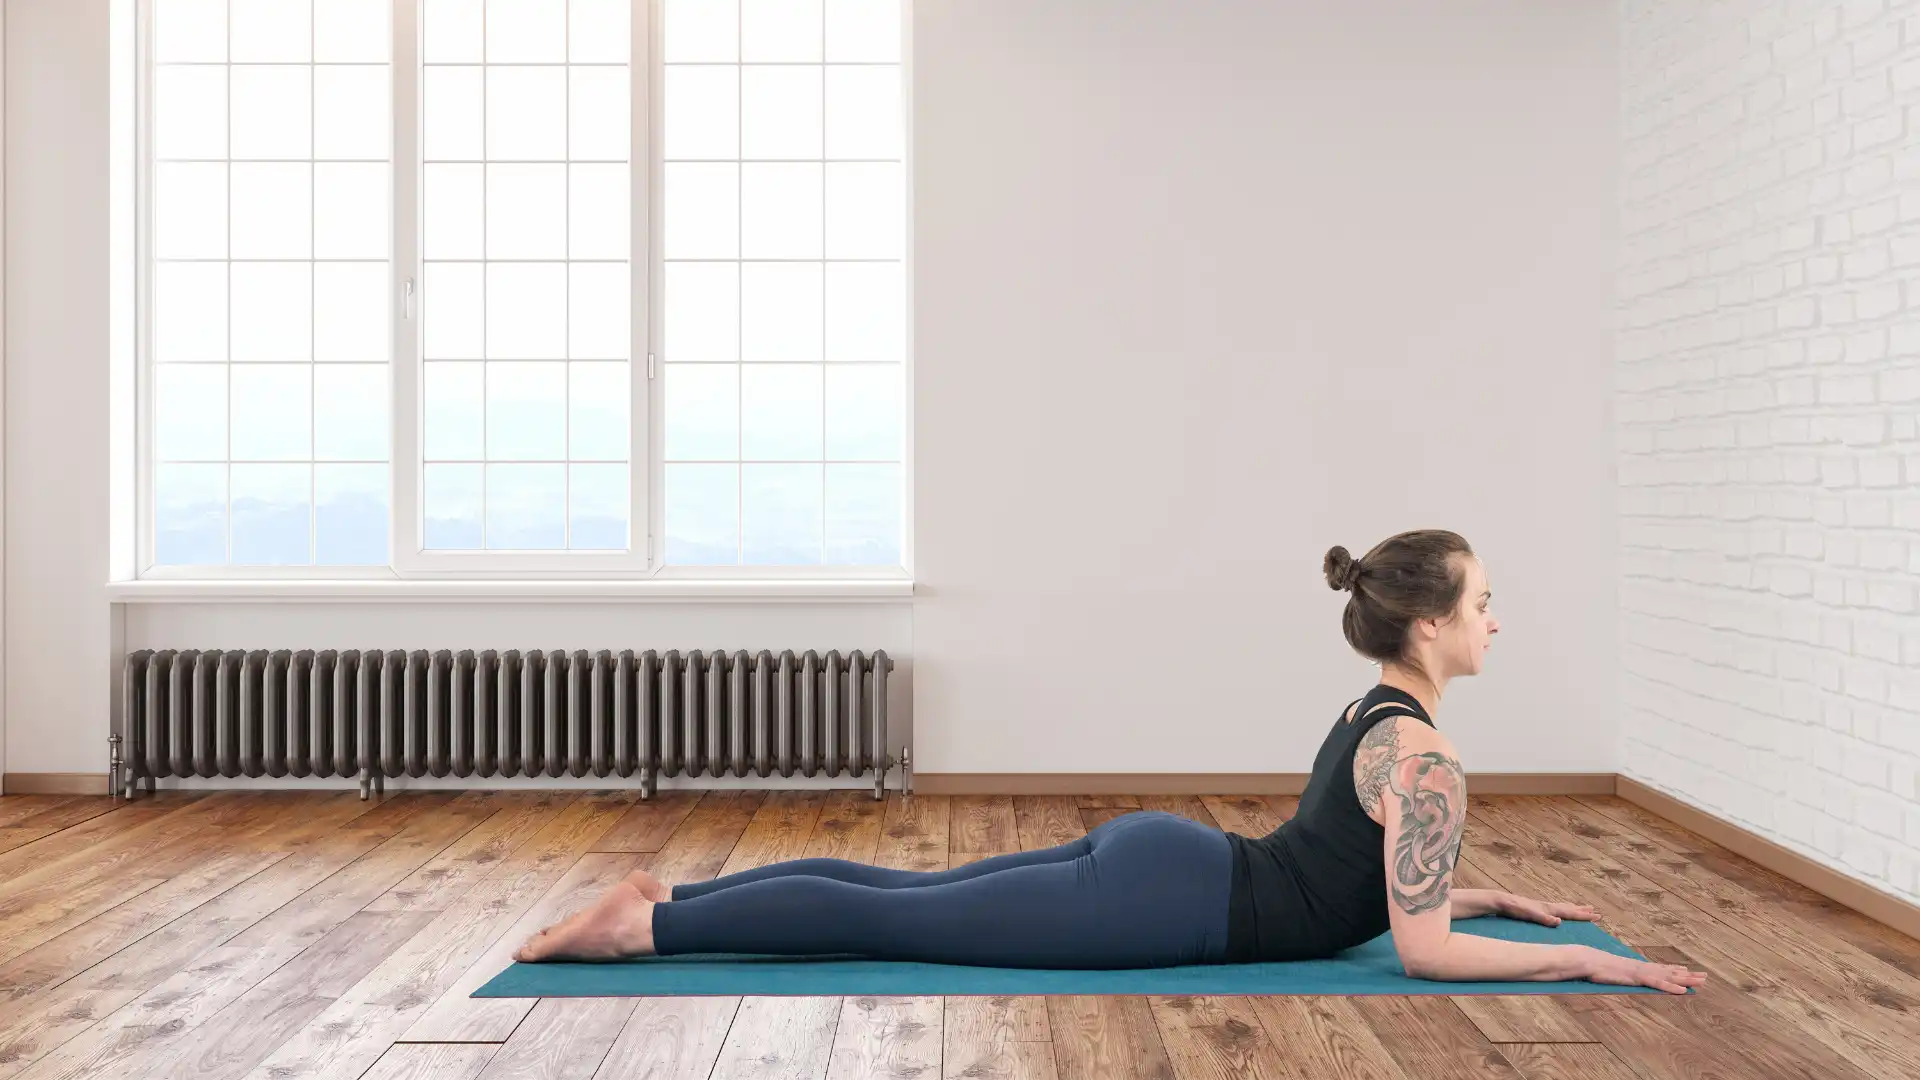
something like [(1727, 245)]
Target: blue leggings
[(1147, 889)]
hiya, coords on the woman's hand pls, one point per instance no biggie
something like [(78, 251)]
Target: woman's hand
[(1545, 912), (1605, 967)]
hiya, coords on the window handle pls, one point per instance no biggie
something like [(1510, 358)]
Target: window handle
[(406, 293)]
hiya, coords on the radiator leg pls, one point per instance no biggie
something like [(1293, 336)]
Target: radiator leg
[(379, 784), (366, 783), (880, 768), (649, 783), (113, 765), (906, 769)]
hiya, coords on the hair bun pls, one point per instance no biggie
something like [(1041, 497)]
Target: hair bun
[(1341, 568)]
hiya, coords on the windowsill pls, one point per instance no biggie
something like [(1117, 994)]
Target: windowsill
[(654, 590)]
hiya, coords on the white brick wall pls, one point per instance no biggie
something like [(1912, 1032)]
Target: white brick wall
[(1768, 396)]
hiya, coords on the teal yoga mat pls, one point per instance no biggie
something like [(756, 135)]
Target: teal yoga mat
[(1372, 968)]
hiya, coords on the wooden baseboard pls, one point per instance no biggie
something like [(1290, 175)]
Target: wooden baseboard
[(1226, 783), (54, 783), (1790, 864)]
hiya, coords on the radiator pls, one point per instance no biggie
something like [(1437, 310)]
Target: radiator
[(376, 714)]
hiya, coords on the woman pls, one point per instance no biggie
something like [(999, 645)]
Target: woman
[(1372, 848)]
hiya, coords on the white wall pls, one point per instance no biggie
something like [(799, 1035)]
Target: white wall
[(1769, 371), (1204, 288)]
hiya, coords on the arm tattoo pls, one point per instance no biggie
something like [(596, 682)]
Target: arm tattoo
[(1378, 747), (1433, 815)]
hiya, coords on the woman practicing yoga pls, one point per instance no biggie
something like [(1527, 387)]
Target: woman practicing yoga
[(1372, 848)]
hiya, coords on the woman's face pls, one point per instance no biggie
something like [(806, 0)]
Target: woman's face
[(1465, 637)]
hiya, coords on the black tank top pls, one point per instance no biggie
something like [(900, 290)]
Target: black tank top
[(1318, 883)]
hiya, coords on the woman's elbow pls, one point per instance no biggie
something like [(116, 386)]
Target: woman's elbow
[(1421, 963)]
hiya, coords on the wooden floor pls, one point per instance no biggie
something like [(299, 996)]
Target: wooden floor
[(275, 935)]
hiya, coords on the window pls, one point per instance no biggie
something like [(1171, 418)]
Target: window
[(633, 300)]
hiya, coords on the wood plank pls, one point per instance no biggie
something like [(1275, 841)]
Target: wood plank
[(135, 819), (1187, 806), (1108, 802), (983, 823), (515, 818), (1217, 1038), (670, 1038), (779, 1038), (1431, 1039), (235, 1039), (914, 833), (562, 1038), (700, 846), (893, 1037), (353, 1032), (1045, 821), (432, 1061), (1325, 1037), (148, 998), (1248, 815), (459, 1017), (66, 812), (1522, 1018), (778, 831), (996, 1038), (849, 827), (15, 809), (1091, 819), (1106, 1038), (128, 855), (650, 823), (1566, 1061)]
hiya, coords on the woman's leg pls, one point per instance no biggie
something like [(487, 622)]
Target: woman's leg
[(1146, 896), (878, 877)]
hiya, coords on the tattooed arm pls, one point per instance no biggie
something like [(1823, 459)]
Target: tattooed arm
[(1409, 780)]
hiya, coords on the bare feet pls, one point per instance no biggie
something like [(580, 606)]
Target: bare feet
[(618, 925), (650, 886)]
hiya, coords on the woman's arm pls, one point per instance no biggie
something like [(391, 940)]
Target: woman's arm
[(1410, 781), (1473, 903)]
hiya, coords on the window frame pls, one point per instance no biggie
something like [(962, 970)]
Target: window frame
[(407, 557)]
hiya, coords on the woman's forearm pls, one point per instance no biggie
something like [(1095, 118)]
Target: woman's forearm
[(1473, 903), (1471, 958)]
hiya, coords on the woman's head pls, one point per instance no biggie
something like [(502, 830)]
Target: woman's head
[(1420, 599)]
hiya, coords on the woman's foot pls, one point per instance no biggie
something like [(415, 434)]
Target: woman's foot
[(650, 886), (618, 925)]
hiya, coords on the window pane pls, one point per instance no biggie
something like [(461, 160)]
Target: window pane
[(189, 211), (702, 311), (352, 31), (455, 398), (780, 30), (597, 511), (452, 508), (865, 213), (453, 32), (863, 31), (599, 305), (597, 412), (780, 211), (350, 113), (526, 311), (702, 31), (599, 223), (350, 515), (703, 515), (454, 125), (600, 31), (190, 412), (272, 415), (866, 311), (272, 311), (702, 113), (702, 211), (526, 32), (190, 515), (780, 512), (781, 308), (599, 123), (780, 412), (526, 212), (350, 219), (272, 515), (703, 412), (350, 412), (352, 312), (190, 31), (780, 113), (189, 311), (526, 113), (863, 113), (454, 307), (526, 412), (863, 515), (270, 31), (272, 106), (864, 408), (526, 507), (190, 112), (454, 208), (272, 214)]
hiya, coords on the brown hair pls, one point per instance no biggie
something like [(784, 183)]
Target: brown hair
[(1404, 578)]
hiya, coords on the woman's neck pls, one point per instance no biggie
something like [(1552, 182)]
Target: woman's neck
[(1410, 681)]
